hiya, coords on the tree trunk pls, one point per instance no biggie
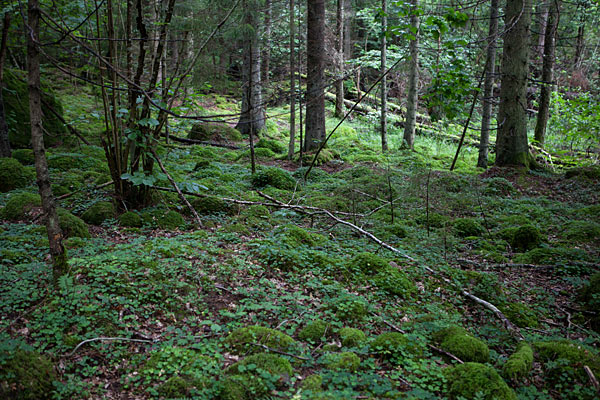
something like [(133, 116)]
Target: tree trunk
[(579, 46), (488, 86), (4, 142), (266, 54), (547, 73), (292, 81), (412, 100), (315, 63), (348, 16), (511, 144), (384, 141), (55, 236), (339, 46)]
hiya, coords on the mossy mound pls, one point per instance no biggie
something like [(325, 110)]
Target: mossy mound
[(344, 361), (27, 375), (395, 345), (464, 227), (15, 94), (212, 205), (241, 339), (236, 228), (525, 238), (545, 255), (19, 205), (590, 293), (214, 132), (476, 381), (24, 156), (368, 263), (583, 231), (591, 172), (393, 231), (71, 225), (295, 236), (12, 175), (314, 331), (519, 364), (498, 186), (273, 176), (163, 219), (458, 341), (395, 282), (259, 153), (98, 213), (312, 383), (436, 220), (130, 219), (352, 337), (325, 156), (350, 308), (481, 284), (572, 358), (254, 369), (273, 145), (520, 314)]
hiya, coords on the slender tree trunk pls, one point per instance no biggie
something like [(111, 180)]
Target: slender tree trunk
[(511, 144), (292, 81), (315, 97), (266, 54), (488, 86), (412, 100), (384, 141), (579, 46), (339, 47), (543, 11), (55, 236), (348, 16), (4, 142), (547, 73)]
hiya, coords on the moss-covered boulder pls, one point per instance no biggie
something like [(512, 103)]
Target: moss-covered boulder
[(349, 307), (498, 186), (476, 381), (273, 176), (458, 341), (351, 337), (394, 346), (295, 236), (16, 106), (525, 238), (314, 331), (24, 156), (255, 369), (259, 153), (19, 205), (71, 225), (98, 213), (345, 361), (393, 281), (130, 219), (214, 132), (591, 172), (27, 375), (568, 359), (274, 145), (312, 383), (12, 175), (368, 263), (162, 218), (212, 205), (519, 364), (241, 339), (481, 284), (464, 227)]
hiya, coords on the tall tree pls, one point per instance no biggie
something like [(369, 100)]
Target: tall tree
[(292, 81), (511, 144), (4, 142), (339, 47), (266, 53), (488, 86), (412, 97), (315, 63), (55, 236), (547, 72), (384, 141)]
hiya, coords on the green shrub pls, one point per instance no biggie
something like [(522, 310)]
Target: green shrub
[(351, 337), (71, 225), (464, 227), (476, 381), (240, 339), (98, 213), (345, 361), (19, 204), (214, 132), (314, 331), (24, 156), (12, 175), (456, 340), (273, 145), (368, 263), (393, 281), (574, 357), (27, 375), (275, 177), (519, 364), (525, 238), (130, 219)]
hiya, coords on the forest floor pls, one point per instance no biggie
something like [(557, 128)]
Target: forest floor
[(273, 299)]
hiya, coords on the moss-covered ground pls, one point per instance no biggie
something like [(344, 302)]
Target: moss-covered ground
[(282, 302)]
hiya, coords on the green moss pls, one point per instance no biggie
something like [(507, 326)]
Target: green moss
[(27, 375), (397, 230), (525, 238), (24, 156), (591, 172), (473, 380), (573, 356), (164, 219), (273, 145), (240, 339), (519, 364), (313, 383), (248, 376), (352, 337), (130, 219), (394, 346), (436, 220), (350, 307), (520, 315), (255, 211), (258, 154), (235, 387), (212, 205), (19, 204), (271, 363), (71, 225), (98, 213), (75, 243), (275, 177), (12, 175), (481, 284), (235, 228), (498, 186), (214, 132), (314, 331), (325, 156), (345, 361), (175, 386), (458, 341), (295, 236), (464, 227), (368, 263), (548, 256), (583, 231), (393, 281)]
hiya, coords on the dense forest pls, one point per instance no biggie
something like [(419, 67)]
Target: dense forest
[(264, 199)]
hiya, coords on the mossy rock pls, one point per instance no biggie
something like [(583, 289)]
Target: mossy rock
[(519, 364), (525, 238), (498, 186), (19, 205), (436, 220), (15, 94), (24, 156), (350, 307), (574, 356), (476, 381), (163, 219), (255, 211), (274, 145), (394, 346), (236, 228), (458, 341), (12, 175), (273, 176), (550, 256), (325, 156), (395, 282), (368, 263), (212, 205), (314, 331), (27, 375), (174, 387), (98, 213), (214, 132), (520, 314), (295, 236), (312, 383), (259, 153), (130, 219), (240, 339), (234, 387), (591, 172), (254, 368), (464, 227), (351, 337), (71, 225), (583, 231), (344, 361)]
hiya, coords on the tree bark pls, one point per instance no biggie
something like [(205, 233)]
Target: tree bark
[(55, 236), (266, 54), (384, 141), (547, 73), (488, 86), (412, 100), (511, 144), (4, 142), (339, 47), (292, 81), (315, 99)]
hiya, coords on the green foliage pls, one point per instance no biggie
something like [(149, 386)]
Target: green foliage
[(130, 219), (456, 340), (573, 356), (261, 372), (12, 175), (481, 284), (589, 295), (24, 156), (520, 314), (314, 331), (275, 177), (313, 383), (295, 236), (464, 227), (350, 307), (525, 238), (346, 361), (394, 346), (163, 219), (498, 186), (19, 204), (477, 381), (395, 282), (26, 375), (98, 213), (71, 225), (582, 231), (368, 263), (550, 256), (274, 145), (519, 363), (212, 205), (259, 153), (241, 339), (352, 337), (574, 120), (214, 132)]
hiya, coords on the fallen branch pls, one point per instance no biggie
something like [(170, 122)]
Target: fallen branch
[(208, 143), (279, 351), (104, 339), (67, 195), (592, 378)]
